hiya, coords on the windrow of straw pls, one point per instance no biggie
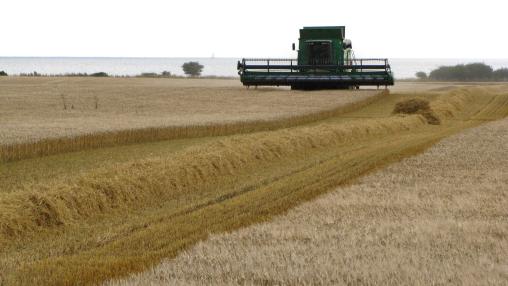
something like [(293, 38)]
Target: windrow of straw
[(417, 106), (51, 146), (139, 184), (449, 104)]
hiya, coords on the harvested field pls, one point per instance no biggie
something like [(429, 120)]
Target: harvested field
[(90, 216), (434, 219)]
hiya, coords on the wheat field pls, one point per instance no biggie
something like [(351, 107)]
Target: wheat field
[(90, 216), (46, 116), (38, 108), (438, 218)]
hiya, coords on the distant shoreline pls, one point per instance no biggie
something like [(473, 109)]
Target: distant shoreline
[(77, 75), (122, 76), (403, 68)]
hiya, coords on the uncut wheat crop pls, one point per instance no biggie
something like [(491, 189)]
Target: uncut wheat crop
[(37, 108)]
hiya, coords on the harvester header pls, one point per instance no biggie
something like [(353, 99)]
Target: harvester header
[(325, 61)]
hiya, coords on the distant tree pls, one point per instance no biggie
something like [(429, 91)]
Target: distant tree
[(2, 73), (501, 74), (149, 74), (478, 71), (166, 73), (469, 72), (99, 74), (192, 68), (447, 73), (421, 75)]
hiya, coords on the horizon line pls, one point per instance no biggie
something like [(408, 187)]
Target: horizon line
[(232, 57)]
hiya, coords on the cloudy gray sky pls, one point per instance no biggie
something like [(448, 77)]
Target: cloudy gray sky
[(261, 28)]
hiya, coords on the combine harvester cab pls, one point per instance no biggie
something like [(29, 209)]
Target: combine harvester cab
[(325, 61)]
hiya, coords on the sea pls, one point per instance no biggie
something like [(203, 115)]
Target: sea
[(402, 68)]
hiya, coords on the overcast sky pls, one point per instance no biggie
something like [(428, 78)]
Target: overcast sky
[(256, 28)]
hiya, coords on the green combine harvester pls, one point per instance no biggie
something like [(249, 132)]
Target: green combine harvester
[(325, 61)]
